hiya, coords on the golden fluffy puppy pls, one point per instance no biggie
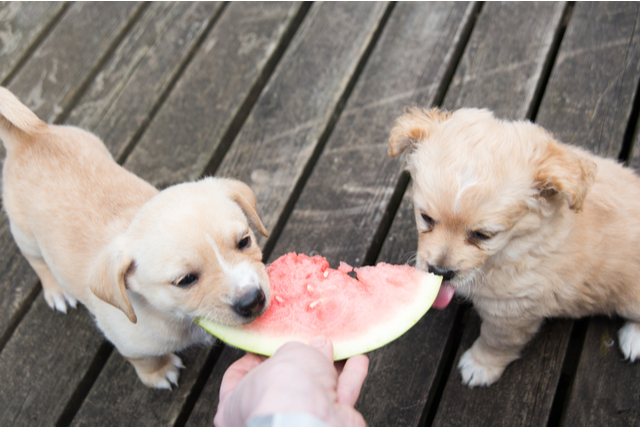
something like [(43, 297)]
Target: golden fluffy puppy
[(145, 263), (523, 226)]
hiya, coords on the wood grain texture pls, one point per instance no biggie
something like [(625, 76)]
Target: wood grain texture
[(38, 380), (505, 57), (279, 138), (190, 126), (346, 195), (22, 24), (590, 93), (118, 398), (125, 93), (522, 396), (605, 391), (207, 405)]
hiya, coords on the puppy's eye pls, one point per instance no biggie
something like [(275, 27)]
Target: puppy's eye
[(244, 242), (187, 280), (428, 220), (481, 235)]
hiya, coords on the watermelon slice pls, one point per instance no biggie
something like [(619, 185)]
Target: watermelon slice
[(311, 299)]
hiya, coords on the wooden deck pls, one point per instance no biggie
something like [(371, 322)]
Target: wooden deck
[(297, 100)]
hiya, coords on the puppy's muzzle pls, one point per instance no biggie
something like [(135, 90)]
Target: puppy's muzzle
[(446, 273), (251, 304)]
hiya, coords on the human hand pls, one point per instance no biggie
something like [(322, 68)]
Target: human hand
[(297, 378)]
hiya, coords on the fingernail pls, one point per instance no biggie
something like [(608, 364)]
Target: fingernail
[(318, 342)]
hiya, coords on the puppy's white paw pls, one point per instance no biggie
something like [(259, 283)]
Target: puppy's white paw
[(629, 336), (60, 300), (475, 374), (166, 372)]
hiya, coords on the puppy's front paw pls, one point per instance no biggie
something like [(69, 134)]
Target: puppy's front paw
[(476, 374), (158, 372), (629, 336), (59, 299)]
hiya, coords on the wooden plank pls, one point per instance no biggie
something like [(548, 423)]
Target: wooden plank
[(525, 392), (49, 77), (37, 380), (277, 142), (218, 86), (129, 402), (126, 92), (22, 25), (352, 182), (596, 76), (605, 391), (222, 55)]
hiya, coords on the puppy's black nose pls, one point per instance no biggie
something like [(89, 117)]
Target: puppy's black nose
[(444, 272), (251, 304)]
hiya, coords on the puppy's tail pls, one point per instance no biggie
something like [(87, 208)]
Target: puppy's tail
[(17, 122)]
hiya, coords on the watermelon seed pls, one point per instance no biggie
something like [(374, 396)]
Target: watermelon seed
[(326, 273), (313, 304), (310, 288), (279, 298)]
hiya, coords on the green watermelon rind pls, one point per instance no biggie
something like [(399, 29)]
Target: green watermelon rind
[(377, 337)]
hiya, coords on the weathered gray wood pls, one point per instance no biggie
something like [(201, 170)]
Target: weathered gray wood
[(207, 404), (605, 391), (217, 87), (126, 401), (276, 143), (595, 77), (523, 395), (21, 25), (126, 92), (49, 77), (352, 182), (37, 380)]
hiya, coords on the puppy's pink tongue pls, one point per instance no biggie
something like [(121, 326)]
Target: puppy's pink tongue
[(445, 294)]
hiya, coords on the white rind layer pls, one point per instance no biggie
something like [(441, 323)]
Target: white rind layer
[(377, 336)]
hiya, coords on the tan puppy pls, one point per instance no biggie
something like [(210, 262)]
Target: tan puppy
[(144, 263), (522, 226)]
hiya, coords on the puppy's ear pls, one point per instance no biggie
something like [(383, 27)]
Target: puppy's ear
[(562, 170), (240, 193), (109, 281), (412, 127)]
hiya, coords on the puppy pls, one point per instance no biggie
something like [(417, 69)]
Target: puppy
[(523, 226), (145, 263)]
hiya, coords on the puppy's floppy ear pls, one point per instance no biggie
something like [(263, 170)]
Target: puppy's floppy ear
[(562, 170), (413, 126), (240, 193), (109, 280)]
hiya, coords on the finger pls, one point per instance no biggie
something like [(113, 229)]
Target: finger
[(236, 372), (323, 345), (351, 379)]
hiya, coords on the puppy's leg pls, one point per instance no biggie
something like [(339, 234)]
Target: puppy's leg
[(629, 336), (498, 345), (54, 294), (158, 371)]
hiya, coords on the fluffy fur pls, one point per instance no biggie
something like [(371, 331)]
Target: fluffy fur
[(145, 263), (523, 226)]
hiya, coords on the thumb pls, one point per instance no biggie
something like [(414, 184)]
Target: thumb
[(323, 345)]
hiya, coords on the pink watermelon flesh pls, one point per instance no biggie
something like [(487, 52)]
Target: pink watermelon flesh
[(308, 298)]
